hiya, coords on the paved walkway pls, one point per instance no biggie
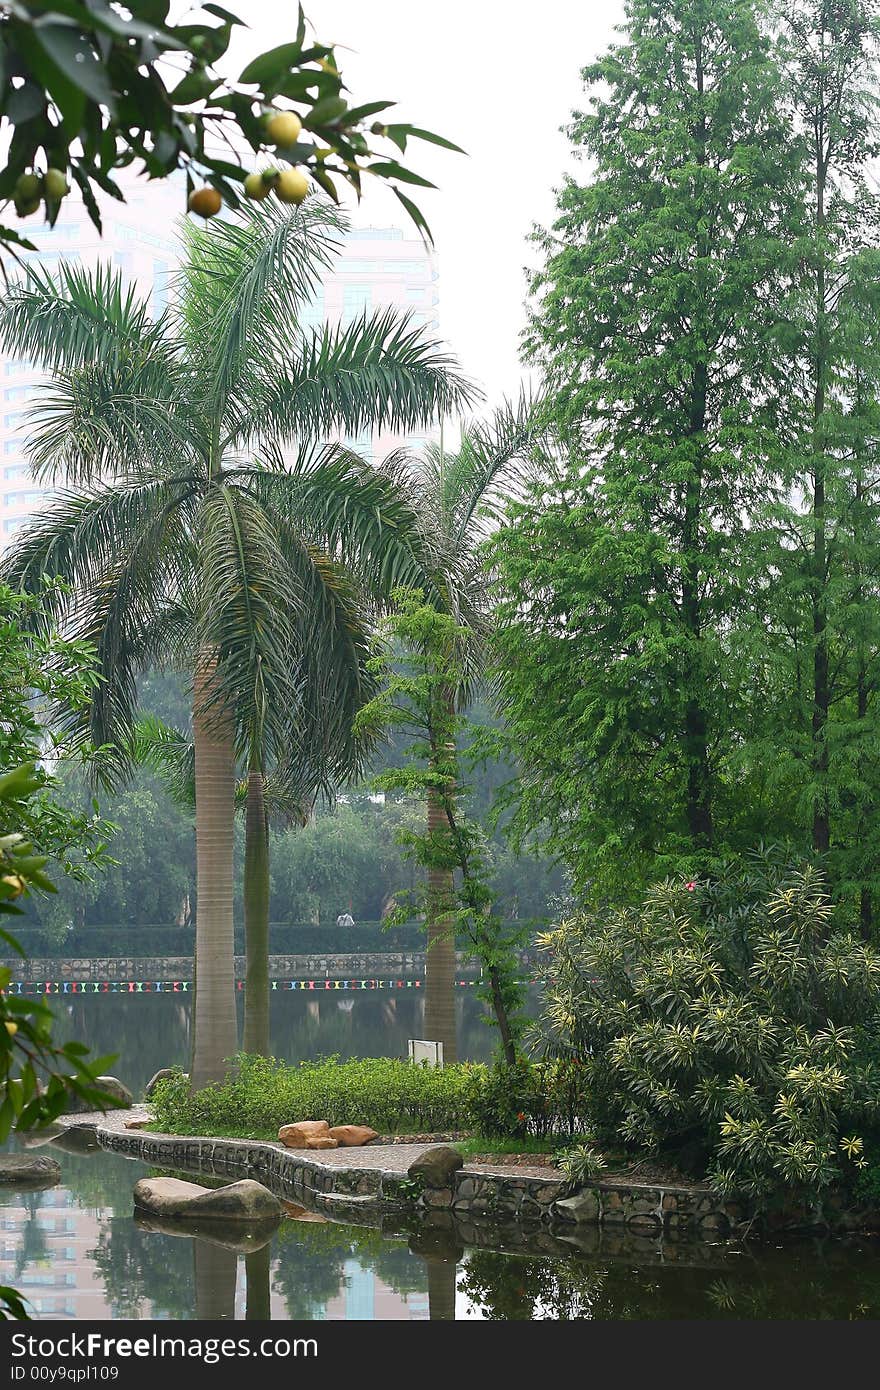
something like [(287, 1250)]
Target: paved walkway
[(391, 1158)]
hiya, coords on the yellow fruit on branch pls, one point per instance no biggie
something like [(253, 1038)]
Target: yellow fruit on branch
[(11, 1028), (55, 184), (283, 128), (27, 188), (206, 202), (292, 186), (259, 184)]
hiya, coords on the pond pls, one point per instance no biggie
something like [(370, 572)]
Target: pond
[(77, 1253), (150, 1031)]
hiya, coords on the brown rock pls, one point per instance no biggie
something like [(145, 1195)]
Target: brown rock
[(321, 1141), (436, 1166), (296, 1136), (143, 1123), (350, 1136), (295, 1213)]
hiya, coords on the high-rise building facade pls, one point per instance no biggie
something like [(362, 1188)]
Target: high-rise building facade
[(378, 266)]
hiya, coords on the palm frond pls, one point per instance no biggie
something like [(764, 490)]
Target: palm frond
[(493, 464), (365, 517), (123, 552), (170, 754), (249, 596), (81, 535), (98, 422), (243, 284), (84, 318), (379, 371)]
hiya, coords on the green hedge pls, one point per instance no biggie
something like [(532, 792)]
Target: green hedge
[(391, 1096), (298, 939)]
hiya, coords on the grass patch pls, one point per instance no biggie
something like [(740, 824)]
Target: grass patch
[(495, 1144), (262, 1094)]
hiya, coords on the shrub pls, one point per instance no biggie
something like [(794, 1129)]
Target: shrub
[(262, 1094), (731, 1024), (530, 1098)]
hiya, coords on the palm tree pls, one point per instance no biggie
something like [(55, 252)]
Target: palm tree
[(184, 538), (317, 762), (459, 492)]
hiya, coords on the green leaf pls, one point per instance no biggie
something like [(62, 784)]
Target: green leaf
[(270, 67), (418, 134), (390, 169), (24, 102), (77, 60)]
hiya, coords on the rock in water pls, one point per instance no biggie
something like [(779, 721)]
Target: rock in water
[(110, 1086), (29, 1170), (350, 1136), (297, 1135), (436, 1166), (239, 1201), (78, 1139)]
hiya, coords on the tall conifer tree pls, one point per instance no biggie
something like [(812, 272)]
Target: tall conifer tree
[(658, 320)]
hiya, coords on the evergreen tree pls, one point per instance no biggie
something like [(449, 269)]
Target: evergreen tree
[(659, 321), (823, 613)]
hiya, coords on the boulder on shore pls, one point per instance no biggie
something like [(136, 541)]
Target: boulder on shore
[(158, 1076), (436, 1167), (296, 1136), (350, 1136), (321, 1141), (238, 1201), (29, 1170), (110, 1086)]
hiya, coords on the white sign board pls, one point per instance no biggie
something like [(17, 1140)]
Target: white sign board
[(429, 1052)]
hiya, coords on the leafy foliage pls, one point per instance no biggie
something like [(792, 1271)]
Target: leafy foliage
[(86, 89), (418, 695), (37, 1074), (263, 1094), (731, 1021)]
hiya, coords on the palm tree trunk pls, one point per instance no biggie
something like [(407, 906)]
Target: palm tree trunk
[(440, 960), (215, 1026), (256, 917)]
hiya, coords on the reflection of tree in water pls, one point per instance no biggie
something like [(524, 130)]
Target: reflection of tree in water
[(311, 1258), (138, 1267), (150, 1031), (259, 1304), (101, 1182), (215, 1273), (441, 1290), (309, 1266), (34, 1248), (771, 1284)]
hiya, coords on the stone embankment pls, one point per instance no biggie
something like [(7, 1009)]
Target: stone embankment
[(376, 1178), (318, 966)]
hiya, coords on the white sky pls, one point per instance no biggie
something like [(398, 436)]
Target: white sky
[(498, 77)]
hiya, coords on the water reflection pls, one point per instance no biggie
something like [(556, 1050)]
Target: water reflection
[(150, 1031), (77, 1253)]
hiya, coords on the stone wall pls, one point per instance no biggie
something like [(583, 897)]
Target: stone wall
[(362, 965), (499, 1198)]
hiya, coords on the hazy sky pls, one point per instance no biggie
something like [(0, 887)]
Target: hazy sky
[(499, 77)]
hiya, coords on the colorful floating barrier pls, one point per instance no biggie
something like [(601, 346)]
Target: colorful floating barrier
[(185, 986)]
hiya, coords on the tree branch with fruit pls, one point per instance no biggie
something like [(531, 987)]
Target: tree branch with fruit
[(87, 89)]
